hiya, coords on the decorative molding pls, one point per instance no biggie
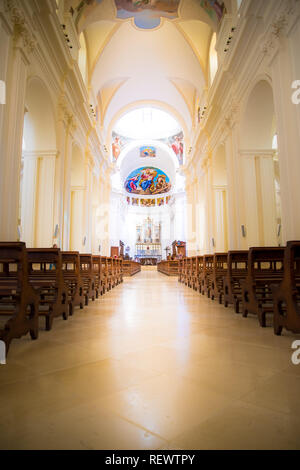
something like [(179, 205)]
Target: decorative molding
[(40, 154), (22, 33)]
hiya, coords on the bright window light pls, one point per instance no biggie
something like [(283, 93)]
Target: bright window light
[(275, 143), (147, 123)]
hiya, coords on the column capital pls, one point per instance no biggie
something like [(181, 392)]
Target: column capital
[(23, 36)]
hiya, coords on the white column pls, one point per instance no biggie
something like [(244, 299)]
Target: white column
[(251, 216), (11, 149), (28, 198), (268, 199), (77, 220), (221, 225), (45, 200), (285, 70)]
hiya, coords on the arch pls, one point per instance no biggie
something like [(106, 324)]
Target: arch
[(261, 203), (146, 103), (39, 121), (138, 143), (257, 124), (38, 166)]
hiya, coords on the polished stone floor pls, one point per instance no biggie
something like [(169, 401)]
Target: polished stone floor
[(151, 365)]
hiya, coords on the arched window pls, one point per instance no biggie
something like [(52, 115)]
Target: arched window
[(82, 59), (213, 58)]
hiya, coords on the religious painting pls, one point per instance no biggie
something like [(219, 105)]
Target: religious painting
[(119, 142), (147, 181), (175, 142), (135, 201), (147, 152), (214, 8), (168, 199), (128, 200), (160, 201), (146, 13)]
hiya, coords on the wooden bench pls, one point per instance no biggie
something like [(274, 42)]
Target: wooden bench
[(237, 270), (180, 270), (199, 269), (193, 273), (19, 302), (87, 276), (46, 277), (207, 273), (72, 278), (170, 268), (120, 270), (97, 265), (286, 295), (104, 275), (220, 262), (110, 272), (130, 268), (265, 267)]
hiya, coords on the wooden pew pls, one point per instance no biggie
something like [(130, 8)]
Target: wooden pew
[(286, 295), (109, 273), (97, 265), (265, 267), (87, 276), (219, 272), (170, 268), (19, 302), (199, 269), (120, 263), (194, 275), (46, 277), (237, 270), (185, 270), (130, 268), (207, 273), (180, 270), (72, 278), (104, 275)]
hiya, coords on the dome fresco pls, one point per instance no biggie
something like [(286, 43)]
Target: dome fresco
[(147, 181)]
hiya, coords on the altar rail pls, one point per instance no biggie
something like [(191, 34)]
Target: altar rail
[(170, 268)]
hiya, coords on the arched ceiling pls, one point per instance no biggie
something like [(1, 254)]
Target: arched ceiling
[(166, 64)]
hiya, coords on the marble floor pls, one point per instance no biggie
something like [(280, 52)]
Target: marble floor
[(151, 365)]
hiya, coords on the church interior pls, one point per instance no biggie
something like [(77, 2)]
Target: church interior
[(149, 224)]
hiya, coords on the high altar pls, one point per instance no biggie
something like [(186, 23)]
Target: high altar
[(148, 241)]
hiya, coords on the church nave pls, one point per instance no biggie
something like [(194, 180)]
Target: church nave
[(151, 365)]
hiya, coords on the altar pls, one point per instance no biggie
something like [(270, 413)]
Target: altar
[(148, 244)]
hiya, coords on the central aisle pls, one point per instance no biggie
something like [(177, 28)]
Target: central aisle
[(151, 365)]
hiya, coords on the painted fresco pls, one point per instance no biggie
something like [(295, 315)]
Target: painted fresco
[(160, 201), (214, 8), (147, 181), (176, 143), (147, 152), (119, 142), (147, 13), (148, 202)]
